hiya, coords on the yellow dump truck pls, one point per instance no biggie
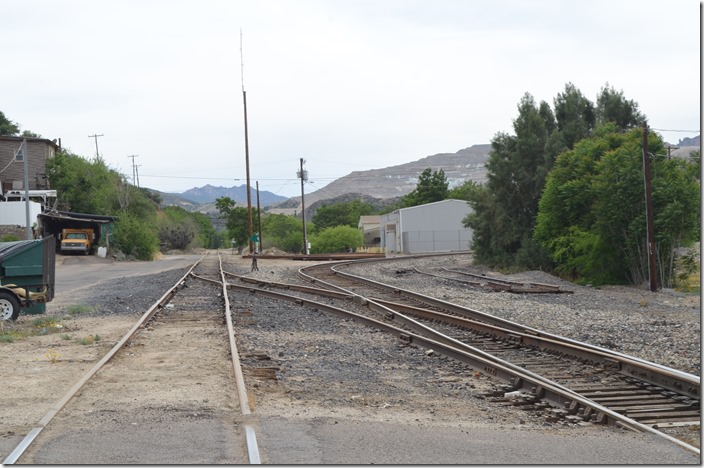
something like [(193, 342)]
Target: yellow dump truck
[(77, 240)]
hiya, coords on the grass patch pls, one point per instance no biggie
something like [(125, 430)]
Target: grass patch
[(46, 325), (78, 309), (88, 340), (12, 331)]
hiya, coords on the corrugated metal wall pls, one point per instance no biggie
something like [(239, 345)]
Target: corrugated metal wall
[(434, 227)]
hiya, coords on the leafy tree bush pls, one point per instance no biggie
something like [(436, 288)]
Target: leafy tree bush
[(592, 213), (432, 187), (237, 220), (283, 232), (176, 228), (506, 207), (136, 238), (341, 214), (337, 239)]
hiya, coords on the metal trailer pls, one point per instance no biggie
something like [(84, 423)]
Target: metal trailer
[(27, 276)]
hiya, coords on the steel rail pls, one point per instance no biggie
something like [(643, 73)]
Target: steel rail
[(664, 376), (32, 435), (250, 436), (538, 386)]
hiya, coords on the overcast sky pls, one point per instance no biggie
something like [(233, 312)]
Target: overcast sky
[(347, 85)]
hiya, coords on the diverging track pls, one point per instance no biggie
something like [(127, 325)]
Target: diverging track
[(584, 383)]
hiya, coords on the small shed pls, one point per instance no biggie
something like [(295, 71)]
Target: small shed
[(369, 227), (52, 223), (433, 227)]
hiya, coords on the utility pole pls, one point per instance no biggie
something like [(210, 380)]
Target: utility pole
[(246, 152), (304, 177), (649, 212), (134, 169), (259, 220), (97, 154), (23, 149)]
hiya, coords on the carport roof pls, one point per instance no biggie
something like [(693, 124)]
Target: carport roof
[(66, 215)]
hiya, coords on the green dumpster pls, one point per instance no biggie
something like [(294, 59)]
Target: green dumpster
[(27, 271)]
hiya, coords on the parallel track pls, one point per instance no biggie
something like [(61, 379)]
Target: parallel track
[(586, 382)]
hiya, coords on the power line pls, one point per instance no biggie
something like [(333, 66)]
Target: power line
[(683, 131)]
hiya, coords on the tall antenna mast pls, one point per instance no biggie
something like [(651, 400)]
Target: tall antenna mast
[(246, 152)]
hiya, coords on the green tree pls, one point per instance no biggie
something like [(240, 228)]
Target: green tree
[(466, 191), (612, 106), (341, 214), (575, 115), (236, 218), (283, 232), (8, 127), (176, 228), (504, 209), (135, 237), (592, 212), (432, 187), (337, 239)]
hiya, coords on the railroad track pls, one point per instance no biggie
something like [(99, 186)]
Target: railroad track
[(175, 369), (581, 382)]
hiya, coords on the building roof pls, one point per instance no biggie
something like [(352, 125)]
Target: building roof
[(30, 139)]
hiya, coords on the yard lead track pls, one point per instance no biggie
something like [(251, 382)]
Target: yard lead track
[(183, 379), (592, 377), (622, 390)]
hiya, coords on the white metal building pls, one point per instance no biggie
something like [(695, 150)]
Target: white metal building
[(434, 227)]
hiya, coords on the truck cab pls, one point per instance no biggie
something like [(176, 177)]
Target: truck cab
[(77, 241)]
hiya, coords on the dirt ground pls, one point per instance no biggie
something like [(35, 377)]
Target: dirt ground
[(76, 332)]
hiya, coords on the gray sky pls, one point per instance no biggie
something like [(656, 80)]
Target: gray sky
[(346, 85)]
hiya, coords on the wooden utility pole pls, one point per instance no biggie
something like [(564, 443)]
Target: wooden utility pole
[(652, 273), (97, 155), (304, 176), (246, 153), (259, 219)]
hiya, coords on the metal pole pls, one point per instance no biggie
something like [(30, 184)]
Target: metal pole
[(28, 228), (649, 212)]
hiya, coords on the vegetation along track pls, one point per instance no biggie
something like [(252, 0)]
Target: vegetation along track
[(581, 381), (171, 374)]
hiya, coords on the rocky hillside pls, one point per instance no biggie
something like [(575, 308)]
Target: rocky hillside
[(396, 181)]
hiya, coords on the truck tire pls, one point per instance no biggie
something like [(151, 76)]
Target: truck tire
[(9, 306)]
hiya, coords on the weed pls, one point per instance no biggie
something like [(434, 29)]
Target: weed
[(46, 325), (88, 340), (65, 336), (53, 356), (7, 338), (78, 309)]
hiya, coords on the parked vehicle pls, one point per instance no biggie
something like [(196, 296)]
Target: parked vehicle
[(77, 240), (27, 272)]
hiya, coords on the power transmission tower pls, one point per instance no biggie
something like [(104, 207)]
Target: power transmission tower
[(97, 154)]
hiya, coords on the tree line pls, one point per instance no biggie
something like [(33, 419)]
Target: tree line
[(564, 193)]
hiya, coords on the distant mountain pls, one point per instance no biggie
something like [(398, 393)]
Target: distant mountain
[(696, 141), (208, 194)]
